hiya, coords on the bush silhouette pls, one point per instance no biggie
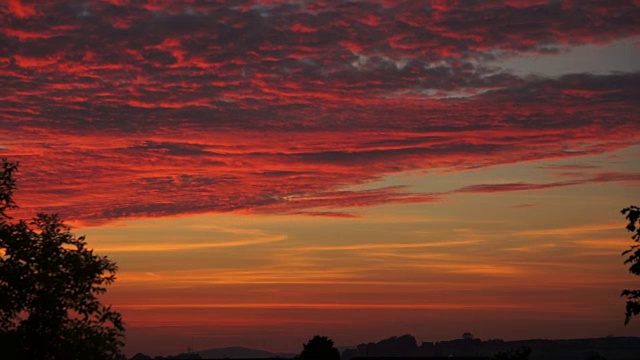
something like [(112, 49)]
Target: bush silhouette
[(49, 283), (521, 353), (319, 348), (633, 296)]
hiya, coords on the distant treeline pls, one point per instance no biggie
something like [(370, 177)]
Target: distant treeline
[(611, 348), (406, 346)]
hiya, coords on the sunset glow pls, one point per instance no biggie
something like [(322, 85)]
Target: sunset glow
[(264, 171)]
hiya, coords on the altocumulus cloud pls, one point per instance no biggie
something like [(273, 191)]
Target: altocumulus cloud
[(133, 109)]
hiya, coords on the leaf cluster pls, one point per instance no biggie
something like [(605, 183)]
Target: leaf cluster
[(633, 258), (7, 185)]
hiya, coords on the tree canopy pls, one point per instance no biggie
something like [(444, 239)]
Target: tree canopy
[(319, 348), (633, 296), (49, 287)]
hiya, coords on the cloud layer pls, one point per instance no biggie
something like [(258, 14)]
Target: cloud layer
[(132, 109)]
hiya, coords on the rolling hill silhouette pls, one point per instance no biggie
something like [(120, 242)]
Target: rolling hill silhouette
[(238, 352)]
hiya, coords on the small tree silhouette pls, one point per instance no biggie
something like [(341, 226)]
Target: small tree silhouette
[(319, 348), (633, 296), (49, 282)]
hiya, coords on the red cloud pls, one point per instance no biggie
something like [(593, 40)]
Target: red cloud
[(20, 10), (119, 110)]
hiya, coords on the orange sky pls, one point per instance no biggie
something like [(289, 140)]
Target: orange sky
[(264, 171), (475, 262)]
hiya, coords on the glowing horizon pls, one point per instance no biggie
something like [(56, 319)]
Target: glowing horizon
[(262, 171)]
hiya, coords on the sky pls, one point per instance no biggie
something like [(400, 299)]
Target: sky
[(264, 171)]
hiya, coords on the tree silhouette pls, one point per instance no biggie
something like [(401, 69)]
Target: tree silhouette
[(319, 348), (521, 353), (633, 296), (49, 283)]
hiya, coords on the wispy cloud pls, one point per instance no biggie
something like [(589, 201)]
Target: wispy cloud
[(616, 244), (387, 246), (475, 269), (325, 306), (571, 230), (184, 246)]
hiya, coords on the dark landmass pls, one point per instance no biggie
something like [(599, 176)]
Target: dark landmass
[(423, 357), (610, 348), (406, 346), (235, 352), (238, 352)]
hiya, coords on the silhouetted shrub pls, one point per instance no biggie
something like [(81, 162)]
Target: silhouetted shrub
[(319, 348), (633, 296)]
